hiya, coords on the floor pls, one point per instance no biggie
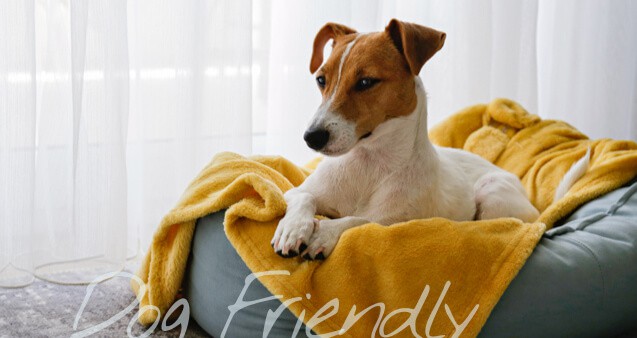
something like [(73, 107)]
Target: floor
[(49, 310)]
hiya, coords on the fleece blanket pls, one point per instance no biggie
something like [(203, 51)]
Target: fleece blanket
[(427, 277)]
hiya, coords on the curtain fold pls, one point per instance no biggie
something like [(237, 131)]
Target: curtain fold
[(109, 108), (17, 140), (191, 97), (587, 52)]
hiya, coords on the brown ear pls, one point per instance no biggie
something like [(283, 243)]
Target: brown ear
[(417, 43), (329, 31)]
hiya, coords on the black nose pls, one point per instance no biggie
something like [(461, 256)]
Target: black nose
[(316, 138)]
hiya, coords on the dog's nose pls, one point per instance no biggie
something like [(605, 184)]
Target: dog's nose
[(317, 138)]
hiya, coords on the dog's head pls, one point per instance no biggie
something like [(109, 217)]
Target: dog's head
[(367, 80)]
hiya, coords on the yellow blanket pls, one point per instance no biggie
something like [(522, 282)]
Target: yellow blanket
[(432, 276)]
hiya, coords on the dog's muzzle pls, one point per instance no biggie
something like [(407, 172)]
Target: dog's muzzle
[(316, 138)]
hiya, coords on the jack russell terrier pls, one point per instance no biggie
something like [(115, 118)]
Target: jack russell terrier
[(381, 166)]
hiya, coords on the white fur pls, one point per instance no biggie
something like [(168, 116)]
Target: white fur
[(342, 132), (574, 173), (396, 175), (348, 48)]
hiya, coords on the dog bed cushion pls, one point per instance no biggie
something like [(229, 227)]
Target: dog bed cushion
[(579, 281), (466, 264), (479, 258)]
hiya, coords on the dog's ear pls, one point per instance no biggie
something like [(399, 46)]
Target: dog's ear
[(329, 31), (417, 43)]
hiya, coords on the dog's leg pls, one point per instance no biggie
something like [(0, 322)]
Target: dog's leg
[(295, 228), (500, 194), (326, 235)]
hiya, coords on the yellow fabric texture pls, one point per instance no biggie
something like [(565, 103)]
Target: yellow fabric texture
[(539, 152), (452, 267)]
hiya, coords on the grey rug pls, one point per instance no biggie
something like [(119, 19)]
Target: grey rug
[(44, 309)]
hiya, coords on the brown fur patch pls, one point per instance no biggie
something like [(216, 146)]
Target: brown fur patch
[(372, 56)]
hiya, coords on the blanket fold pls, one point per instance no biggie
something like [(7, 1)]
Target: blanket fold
[(430, 277), (540, 152)]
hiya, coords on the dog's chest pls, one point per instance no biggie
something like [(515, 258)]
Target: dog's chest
[(365, 186)]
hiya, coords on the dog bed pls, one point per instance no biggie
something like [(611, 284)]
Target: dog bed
[(579, 281), (368, 269)]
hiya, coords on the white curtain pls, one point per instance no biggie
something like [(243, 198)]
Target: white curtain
[(109, 107)]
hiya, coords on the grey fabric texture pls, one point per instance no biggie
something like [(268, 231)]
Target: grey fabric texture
[(580, 281), (215, 279)]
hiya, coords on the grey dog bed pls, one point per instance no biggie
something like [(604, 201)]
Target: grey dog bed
[(580, 281)]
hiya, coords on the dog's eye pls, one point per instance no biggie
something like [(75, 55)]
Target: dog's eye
[(320, 80), (365, 83)]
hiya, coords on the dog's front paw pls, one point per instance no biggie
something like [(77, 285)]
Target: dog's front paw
[(326, 235), (292, 235)]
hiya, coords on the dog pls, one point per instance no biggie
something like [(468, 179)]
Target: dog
[(381, 166)]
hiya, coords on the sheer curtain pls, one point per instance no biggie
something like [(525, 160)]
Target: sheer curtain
[(109, 108)]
